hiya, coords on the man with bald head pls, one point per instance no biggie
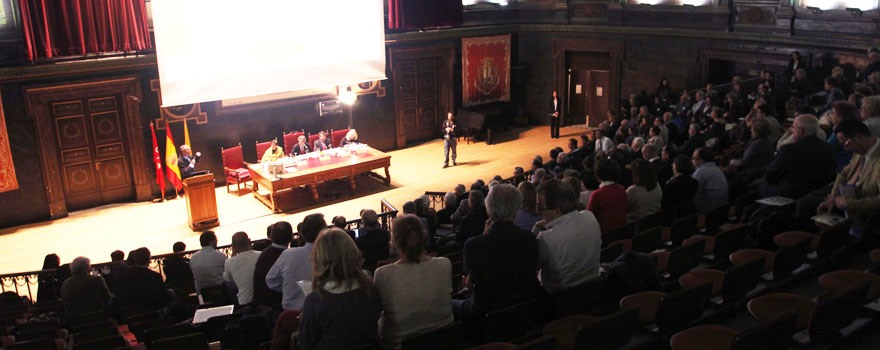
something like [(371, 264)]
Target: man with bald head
[(372, 240), (802, 166), (239, 269)]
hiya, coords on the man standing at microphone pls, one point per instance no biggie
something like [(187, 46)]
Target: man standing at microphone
[(187, 163), (449, 140)]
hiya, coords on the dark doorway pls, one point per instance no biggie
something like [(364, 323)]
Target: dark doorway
[(589, 87)]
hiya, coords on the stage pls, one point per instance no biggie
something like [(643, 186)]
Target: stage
[(96, 232)]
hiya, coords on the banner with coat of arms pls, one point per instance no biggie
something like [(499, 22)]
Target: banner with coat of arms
[(8, 182), (485, 69)]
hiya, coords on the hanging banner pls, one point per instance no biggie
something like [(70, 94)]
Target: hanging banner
[(485, 69), (8, 182)]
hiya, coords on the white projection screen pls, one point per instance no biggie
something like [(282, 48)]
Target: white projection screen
[(210, 50)]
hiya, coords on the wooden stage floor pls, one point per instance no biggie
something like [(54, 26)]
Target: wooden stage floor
[(126, 226)]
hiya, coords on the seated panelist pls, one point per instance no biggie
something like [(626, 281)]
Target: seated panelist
[(321, 144), (274, 153), (350, 137), (300, 148)]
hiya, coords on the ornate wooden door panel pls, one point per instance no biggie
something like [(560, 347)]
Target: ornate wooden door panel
[(423, 91), (428, 125)]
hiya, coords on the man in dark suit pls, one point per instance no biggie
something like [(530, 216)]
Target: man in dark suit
[(187, 163), (449, 139), (473, 222), (321, 144), (300, 148), (176, 267), (372, 240), (281, 234), (661, 167), (802, 166), (554, 117), (695, 140), (138, 286)]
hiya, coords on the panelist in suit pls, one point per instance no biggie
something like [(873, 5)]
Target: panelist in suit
[(187, 162), (321, 144), (273, 153), (300, 148), (554, 117), (449, 139)]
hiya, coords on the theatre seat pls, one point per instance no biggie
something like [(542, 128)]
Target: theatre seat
[(773, 334), (234, 168), (290, 140), (731, 285), (680, 260), (790, 238), (875, 256), (669, 311), (261, 149), (336, 136), (841, 280), (782, 262), (590, 332)]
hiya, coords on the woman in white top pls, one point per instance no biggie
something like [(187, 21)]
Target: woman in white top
[(416, 290), (644, 196)]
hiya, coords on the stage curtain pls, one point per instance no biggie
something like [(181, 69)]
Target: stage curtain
[(54, 28), (417, 14)]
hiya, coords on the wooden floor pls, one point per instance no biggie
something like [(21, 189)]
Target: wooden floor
[(97, 232)]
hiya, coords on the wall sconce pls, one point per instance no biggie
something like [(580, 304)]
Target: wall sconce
[(347, 96), (815, 10), (854, 11)]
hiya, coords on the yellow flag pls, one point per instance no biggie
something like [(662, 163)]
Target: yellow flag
[(186, 135)]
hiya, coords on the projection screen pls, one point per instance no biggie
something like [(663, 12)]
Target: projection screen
[(209, 50)]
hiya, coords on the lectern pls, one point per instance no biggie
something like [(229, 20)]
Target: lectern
[(201, 202)]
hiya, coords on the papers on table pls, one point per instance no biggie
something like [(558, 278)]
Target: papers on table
[(203, 315)]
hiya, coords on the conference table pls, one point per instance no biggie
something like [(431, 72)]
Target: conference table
[(312, 168)]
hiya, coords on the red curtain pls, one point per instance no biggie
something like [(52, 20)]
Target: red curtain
[(417, 14), (55, 28)]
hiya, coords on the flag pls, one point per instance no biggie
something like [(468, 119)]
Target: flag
[(171, 169), (157, 159), (186, 135)]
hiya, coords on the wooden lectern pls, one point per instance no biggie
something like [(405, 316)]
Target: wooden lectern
[(201, 202)]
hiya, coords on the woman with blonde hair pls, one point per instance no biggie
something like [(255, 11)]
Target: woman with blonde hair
[(342, 309), (350, 137), (416, 290)]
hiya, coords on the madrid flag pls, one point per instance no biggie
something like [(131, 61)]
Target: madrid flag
[(157, 159), (171, 169)]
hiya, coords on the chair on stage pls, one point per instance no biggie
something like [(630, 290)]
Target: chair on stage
[(313, 137), (337, 136), (261, 149), (233, 166), (290, 140)]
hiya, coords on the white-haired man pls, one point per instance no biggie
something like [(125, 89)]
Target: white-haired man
[(802, 166), (82, 292), (501, 264)]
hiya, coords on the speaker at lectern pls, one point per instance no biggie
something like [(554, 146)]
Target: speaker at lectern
[(201, 202)]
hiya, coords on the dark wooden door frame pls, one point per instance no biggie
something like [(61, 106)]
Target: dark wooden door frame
[(38, 99), (446, 57), (562, 46)]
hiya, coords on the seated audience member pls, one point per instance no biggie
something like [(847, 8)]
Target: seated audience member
[(240, 267), (518, 175), (758, 153), (679, 191), (461, 194), (863, 173), (83, 293), (527, 215), (450, 203), (574, 181), (608, 203), (372, 240), (695, 140), (655, 137), (711, 183), (802, 166), (341, 223), (294, 265), (138, 286), (281, 234), (49, 283), (644, 196), (416, 289), (538, 176), (870, 113), (423, 210), (832, 93), (501, 264), (661, 167), (176, 267), (207, 263), (350, 137), (273, 153), (603, 142), (342, 310), (562, 163), (568, 240), (841, 111), (474, 221), (636, 147), (117, 263)]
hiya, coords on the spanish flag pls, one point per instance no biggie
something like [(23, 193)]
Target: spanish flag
[(171, 170)]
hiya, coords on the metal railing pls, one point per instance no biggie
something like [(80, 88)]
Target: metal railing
[(26, 283)]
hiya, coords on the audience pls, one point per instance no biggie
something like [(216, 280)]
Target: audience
[(803, 166), (644, 196), (138, 286), (500, 265), (294, 265), (712, 185), (372, 240), (678, 193), (473, 222), (176, 267), (568, 240), (280, 233), (661, 167), (342, 310), (450, 203), (117, 263), (415, 290), (527, 215), (207, 263), (240, 268), (83, 293), (608, 203)]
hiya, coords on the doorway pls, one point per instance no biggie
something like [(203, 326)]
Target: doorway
[(588, 71), (587, 96), (422, 80)]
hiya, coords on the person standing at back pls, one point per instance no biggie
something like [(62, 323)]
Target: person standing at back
[(554, 117), (449, 139), (280, 234)]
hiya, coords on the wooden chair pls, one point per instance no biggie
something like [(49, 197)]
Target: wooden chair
[(448, 337), (782, 262), (590, 332), (290, 140), (337, 136), (680, 260), (193, 341), (543, 343), (650, 221), (732, 284), (669, 311), (624, 231), (727, 241), (773, 334), (648, 241), (715, 218), (261, 149), (683, 229), (233, 166)]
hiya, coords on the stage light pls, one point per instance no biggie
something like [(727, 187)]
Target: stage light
[(346, 96)]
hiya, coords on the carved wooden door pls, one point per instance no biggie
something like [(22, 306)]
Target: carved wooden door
[(94, 165), (418, 98)]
